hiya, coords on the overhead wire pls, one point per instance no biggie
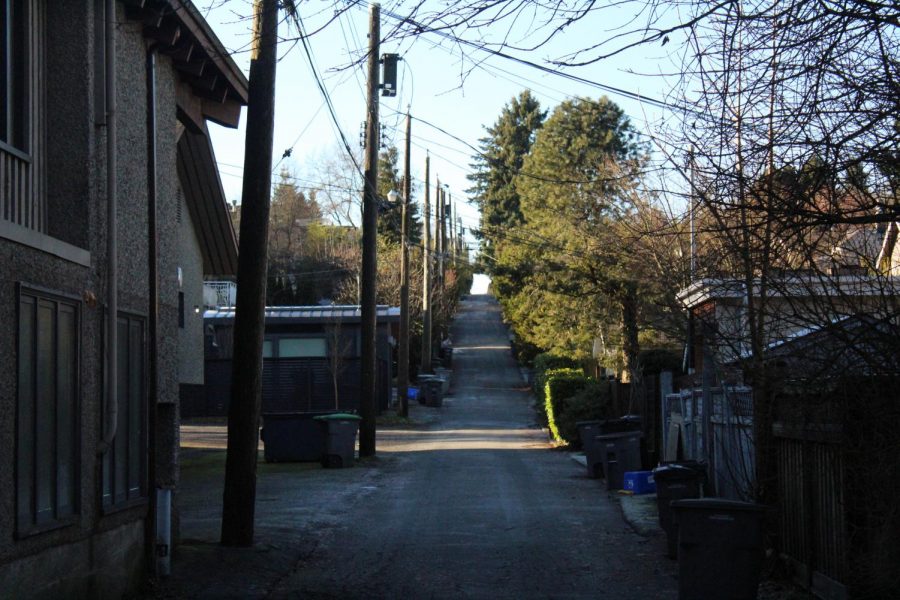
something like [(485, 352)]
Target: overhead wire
[(324, 91), (422, 28)]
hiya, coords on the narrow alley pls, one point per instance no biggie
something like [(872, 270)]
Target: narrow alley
[(470, 503)]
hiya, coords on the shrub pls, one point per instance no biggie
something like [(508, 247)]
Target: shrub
[(543, 364), (561, 384), (593, 402), (654, 361), (523, 351)]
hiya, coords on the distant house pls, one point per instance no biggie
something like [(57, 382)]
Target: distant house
[(793, 304), (80, 459), (311, 359), (830, 346)]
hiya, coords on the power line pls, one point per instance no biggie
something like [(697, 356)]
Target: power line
[(422, 28), (319, 83)]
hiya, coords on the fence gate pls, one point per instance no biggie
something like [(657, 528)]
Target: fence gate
[(730, 455)]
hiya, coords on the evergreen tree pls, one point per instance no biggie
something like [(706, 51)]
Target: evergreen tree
[(389, 215), (581, 207), (508, 141)]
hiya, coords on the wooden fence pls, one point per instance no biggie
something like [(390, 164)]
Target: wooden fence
[(725, 443), (812, 515)]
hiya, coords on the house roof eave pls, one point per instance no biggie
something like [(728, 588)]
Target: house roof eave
[(218, 87)]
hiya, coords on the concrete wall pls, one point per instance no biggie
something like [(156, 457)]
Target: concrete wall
[(98, 554)]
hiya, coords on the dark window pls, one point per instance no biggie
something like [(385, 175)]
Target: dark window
[(124, 464), (181, 309), (13, 69), (47, 411)]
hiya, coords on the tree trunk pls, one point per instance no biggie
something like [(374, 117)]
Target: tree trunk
[(630, 345)]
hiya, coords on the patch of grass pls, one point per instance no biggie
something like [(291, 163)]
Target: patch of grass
[(394, 420)]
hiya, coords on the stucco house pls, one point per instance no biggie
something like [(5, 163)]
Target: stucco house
[(111, 213)]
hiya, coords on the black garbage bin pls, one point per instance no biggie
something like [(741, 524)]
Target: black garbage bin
[(676, 481), (620, 452), (588, 432), (434, 387), (447, 357), (339, 431), (720, 548), (292, 436)]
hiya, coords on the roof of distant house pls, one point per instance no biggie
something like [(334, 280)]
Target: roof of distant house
[(342, 313), (800, 284)]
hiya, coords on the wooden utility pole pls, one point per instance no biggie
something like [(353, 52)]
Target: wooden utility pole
[(403, 350), (442, 236), (369, 261), (426, 273), (239, 498), (451, 226)]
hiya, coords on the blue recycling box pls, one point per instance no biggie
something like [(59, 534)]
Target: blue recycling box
[(640, 482)]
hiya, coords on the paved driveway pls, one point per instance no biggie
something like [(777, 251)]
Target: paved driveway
[(470, 503)]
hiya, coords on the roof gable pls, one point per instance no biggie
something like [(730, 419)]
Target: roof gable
[(205, 198)]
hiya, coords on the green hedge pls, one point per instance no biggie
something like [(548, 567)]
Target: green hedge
[(560, 386), (593, 402), (544, 363)]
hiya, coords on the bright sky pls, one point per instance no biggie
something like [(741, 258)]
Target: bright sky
[(457, 95)]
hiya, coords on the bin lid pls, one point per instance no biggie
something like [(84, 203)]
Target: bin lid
[(295, 414), (338, 417), (620, 434), (677, 471), (717, 504)]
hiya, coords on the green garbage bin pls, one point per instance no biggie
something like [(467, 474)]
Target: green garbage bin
[(720, 548), (340, 439)]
